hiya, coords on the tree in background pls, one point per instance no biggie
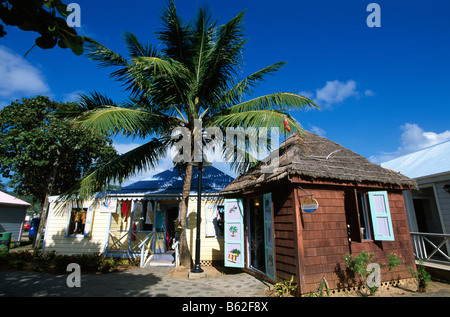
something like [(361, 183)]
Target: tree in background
[(43, 154), (191, 75), (41, 16)]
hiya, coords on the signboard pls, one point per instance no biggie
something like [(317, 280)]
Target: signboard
[(234, 233), (309, 204), (108, 205)]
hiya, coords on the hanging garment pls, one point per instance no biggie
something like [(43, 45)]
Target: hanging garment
[(160, 242), (126, 205), (137, 209), (119, 207), (149, 216), (138, 214)]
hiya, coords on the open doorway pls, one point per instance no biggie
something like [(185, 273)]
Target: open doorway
[(256, 234), (426, 210), (171, 216)]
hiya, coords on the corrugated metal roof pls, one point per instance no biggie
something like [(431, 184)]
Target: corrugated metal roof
[(11, 200), (171, 182), (429, 161)]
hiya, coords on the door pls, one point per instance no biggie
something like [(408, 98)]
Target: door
[(234, 233), (269, 236)]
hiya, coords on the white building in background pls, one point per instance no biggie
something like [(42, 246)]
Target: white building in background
[(428, 208)]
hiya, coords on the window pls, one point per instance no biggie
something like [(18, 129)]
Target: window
[(368, 216), (80, 222), (214, 221), (364, 220)]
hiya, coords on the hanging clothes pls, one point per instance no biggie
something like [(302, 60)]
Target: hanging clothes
[(160, 242), (119, 207), (126, 206), (149, 216), (138, 215)]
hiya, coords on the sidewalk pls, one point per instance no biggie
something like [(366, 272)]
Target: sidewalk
[(155, 282), (147, 282)]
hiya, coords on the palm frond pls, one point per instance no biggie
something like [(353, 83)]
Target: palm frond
[(128, 164), (244, 87), (255, 119), (175, 34), (105, 56), (126, 121), (277, 101), (224, 61), (136, 48)]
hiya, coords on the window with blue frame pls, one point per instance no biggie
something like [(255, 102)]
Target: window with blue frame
[(370, 216)]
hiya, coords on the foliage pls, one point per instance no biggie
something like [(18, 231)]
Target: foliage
[(34, 138), (191, 74), (422, 277), (320, 290), (394, 261), (285, 288), (52, 262), (358, 264), (41, 16)]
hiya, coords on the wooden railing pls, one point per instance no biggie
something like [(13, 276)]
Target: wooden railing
[(147, 247), (427, 246)]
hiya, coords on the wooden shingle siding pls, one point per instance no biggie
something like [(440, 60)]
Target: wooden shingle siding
[(285, 235), (325, 240)]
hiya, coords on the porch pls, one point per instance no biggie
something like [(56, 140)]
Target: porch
[(431, 250), (143, 229), (142, 246)]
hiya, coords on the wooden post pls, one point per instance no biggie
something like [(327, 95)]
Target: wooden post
[(299, 240)]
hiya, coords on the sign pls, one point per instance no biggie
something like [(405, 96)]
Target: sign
[(108, 205), (309, 205), (234, 233)]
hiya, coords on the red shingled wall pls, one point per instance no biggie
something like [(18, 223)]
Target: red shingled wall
[(317, 248)]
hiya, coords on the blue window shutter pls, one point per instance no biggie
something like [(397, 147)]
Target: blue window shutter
[(234, 233), (381, 216)]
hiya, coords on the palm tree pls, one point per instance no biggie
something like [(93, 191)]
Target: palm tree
[(192, 77)]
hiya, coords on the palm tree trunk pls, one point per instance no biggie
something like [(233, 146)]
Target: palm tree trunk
[(185, 253)]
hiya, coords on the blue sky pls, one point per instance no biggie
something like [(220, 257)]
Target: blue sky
[(383, 92)]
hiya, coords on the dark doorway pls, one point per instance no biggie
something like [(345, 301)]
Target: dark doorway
[(171, 216), (256, 234)]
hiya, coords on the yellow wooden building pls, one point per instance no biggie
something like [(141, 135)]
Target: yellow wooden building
[(140, 220)]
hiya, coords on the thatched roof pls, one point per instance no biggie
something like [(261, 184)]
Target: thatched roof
[(316, 158)]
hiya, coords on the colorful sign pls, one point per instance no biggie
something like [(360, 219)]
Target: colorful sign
[(309, 205), (234, 233)]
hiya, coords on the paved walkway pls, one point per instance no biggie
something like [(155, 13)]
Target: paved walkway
[(147, 282)]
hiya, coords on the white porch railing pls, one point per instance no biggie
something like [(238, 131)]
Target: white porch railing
[(428, 245), (147, 246)]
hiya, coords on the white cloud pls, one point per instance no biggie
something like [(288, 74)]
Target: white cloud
[(335, 92), (19, 78), (369, 93), (413, 138), (319, 131), (73, 96)]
